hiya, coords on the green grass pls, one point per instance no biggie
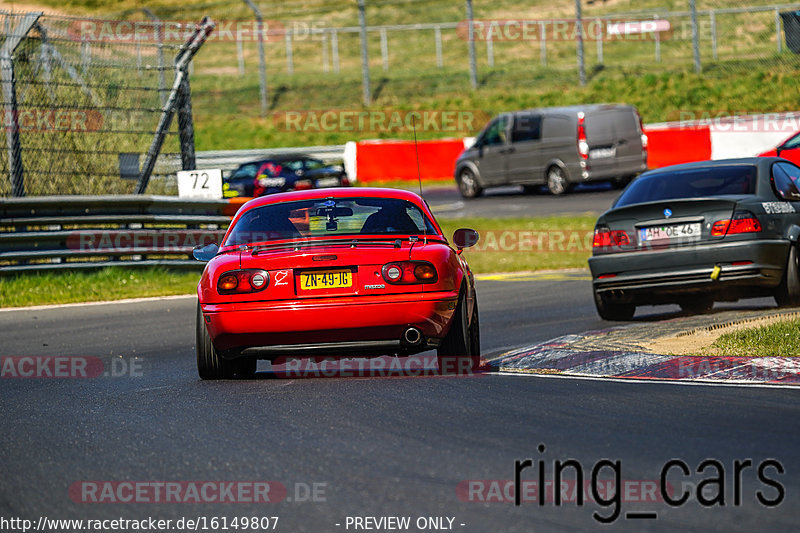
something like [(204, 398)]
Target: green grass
[(781, 339), (101, 285), (508, 245)]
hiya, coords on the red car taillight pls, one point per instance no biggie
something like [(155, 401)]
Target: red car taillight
[(409, 272), (303, 185), (742, 222), (605, 238), (583, 144), (243, 281)]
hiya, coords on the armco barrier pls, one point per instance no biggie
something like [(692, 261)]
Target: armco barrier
[(674, 145), (82, 232)]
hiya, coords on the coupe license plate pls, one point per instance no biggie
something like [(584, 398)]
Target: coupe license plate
[(685, 232), (326, 279)]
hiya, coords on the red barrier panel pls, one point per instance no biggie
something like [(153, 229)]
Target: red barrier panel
[(397, 160), (677, 145)]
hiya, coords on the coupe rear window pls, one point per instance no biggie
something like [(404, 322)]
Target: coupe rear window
[(691, 183), (333, 217)]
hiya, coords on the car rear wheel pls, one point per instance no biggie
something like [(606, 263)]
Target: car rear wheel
[(468, 184), (788, 292), (697, 306), (209, 363), (613, 311), (557, 181), (460, 349)]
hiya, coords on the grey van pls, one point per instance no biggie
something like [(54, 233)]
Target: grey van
[(555, 146)]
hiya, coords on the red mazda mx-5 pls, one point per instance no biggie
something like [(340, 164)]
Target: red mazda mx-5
[(335, 272)]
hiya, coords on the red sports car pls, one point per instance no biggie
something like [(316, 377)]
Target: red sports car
[(335, 272), (788, 149)]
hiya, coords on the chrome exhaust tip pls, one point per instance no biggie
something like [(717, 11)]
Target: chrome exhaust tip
[(412, 337)]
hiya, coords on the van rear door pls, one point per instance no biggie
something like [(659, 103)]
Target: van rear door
[(525, 159), (629, 151), (602, 141)]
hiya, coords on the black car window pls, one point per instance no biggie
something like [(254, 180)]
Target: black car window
[(792, 143), (697, 182), (293, 164), (245, 172), (496, 134), (784, 181), (314, 164), (527, 127), (331, 217)]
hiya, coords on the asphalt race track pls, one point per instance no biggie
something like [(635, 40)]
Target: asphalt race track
[(377, 446)]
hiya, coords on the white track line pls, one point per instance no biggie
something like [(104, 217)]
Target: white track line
[(109, 302)]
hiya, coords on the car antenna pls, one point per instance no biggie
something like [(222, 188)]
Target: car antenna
[(419, 178)]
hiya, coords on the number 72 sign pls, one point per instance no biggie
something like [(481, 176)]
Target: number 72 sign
[(205, 183)]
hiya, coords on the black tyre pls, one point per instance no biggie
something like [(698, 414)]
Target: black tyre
[(613, 311), (209, 363), (787, 294), (557, 182), (468, 184), (457, 351), (697, 306), (620, 183), (531, 189)]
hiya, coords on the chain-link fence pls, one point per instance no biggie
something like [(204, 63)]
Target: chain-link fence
[(81, 114)]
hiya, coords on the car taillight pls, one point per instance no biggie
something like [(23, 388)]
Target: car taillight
[(742, 222), (243, 281), (409, 272), (258, 189), (344, 182), (605, 238), (583, 144), (303, 185)]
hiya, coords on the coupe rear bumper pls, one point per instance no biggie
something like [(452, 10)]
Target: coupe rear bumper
[(661, 276), (371, 323)]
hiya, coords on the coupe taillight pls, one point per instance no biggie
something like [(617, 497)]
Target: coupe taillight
[(606, 238), (742, 222), (409, 272), (243, 281)]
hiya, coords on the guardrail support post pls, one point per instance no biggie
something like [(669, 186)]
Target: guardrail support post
[(16, 171)]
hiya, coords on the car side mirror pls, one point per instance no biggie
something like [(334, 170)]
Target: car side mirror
[(464, 238), (205, 253)]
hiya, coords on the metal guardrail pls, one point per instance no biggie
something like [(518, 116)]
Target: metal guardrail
[(228, 160), (85, 232)]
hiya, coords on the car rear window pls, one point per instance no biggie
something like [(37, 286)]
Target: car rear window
[(691, 183), (334, 217)]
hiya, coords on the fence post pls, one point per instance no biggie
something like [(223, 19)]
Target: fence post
[(186, 125), (695, 37), (384, 49), (579, 32), (599, 23), (8, 81), (437, 33), (473, 65), (658, 42), (335, 50), (240, 55), (289, 55), (713, 20), (261, 61), (362, 21), (325, 63), (489, 50), (778, 31), (543, 43), (182, 60)]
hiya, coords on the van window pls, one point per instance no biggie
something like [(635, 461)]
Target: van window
[(555, 127), (784, 179), (600, 125), (626, 124), (527, 127), (496, 134)]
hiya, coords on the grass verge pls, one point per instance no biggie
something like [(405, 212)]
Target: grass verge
[(507, 245), (781, 339)]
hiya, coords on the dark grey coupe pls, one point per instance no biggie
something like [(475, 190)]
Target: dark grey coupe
[(698, 233)]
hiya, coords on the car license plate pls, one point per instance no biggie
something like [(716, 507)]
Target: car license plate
[(327, 182), (326, 279), (686, 232), (602, 153)]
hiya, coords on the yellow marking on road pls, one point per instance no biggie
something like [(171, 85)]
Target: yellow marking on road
[(536, 276)]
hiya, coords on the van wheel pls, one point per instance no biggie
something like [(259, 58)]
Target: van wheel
[(468, 185), (557, 181)]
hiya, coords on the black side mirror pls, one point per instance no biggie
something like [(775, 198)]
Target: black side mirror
[(205, 253), (778, 151), (464, 238)]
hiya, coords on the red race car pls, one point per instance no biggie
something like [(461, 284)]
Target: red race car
[(335, 272), (788, 149)]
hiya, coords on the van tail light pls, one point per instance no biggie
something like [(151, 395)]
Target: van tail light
[(243, 281), (409, 272), (583, 144), (605, 238), (644, 135), (742, 222)]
